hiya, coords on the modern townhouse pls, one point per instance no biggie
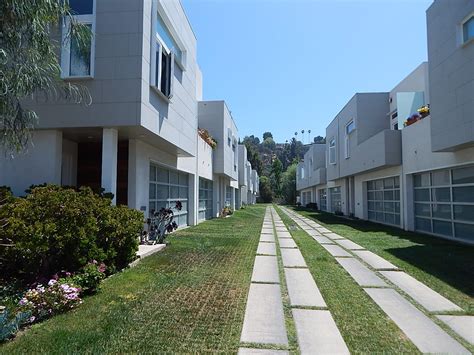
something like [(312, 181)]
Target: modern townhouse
[(250, 184), (388, 163), (311, 176), (138, 139), (242, 198), (216, 118), (438, 151)]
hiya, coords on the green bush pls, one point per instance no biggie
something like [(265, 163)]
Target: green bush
[(88, 278), (55, 228)]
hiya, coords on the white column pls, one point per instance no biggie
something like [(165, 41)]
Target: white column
[(232, 198), (109, 161)]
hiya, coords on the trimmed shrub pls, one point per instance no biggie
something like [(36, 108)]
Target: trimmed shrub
[(55, 228)]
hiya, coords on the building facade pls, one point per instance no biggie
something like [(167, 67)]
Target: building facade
[(138, 138), (406, 157)]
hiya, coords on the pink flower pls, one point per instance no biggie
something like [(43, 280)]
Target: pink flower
[(52, 282)]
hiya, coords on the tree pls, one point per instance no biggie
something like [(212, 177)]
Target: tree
[(269, 143), (319, 140), (29, 64), (266, 194), (288, 187), (276, 173), (267, 135)]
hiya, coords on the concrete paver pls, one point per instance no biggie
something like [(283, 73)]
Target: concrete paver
[(317, 332), (360, 273), (265, 269), (264, 322), (292, 258), (266, 248), (287, 243), (374, 260), (323, 240), (427, 336), (267, 238), (302, 289), (335, 250), (348, 244), (463, 325), (428, 298)]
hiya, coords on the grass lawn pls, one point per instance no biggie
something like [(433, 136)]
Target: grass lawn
[(364, 327), (445, 266), (189, 298)]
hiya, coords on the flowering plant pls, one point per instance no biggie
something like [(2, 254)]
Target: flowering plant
[(424, 110), (45, 301), (206, 136), (88, 278)]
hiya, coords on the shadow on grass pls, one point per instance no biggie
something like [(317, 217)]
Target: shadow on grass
[(449, 261)]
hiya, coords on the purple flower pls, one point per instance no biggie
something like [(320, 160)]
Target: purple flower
[(52, 282), (65, 287), (23, 301), (32, 319)]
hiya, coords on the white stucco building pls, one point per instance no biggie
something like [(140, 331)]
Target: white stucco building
[(418, 177), (139, 137)]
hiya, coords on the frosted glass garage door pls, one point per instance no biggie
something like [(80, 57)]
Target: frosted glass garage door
[(166, 188), (444, 203), (383, 200)]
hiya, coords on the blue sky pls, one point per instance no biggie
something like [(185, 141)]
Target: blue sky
[(287, 65)]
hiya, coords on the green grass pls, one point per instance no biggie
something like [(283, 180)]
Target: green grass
[(364, 327), (190, 297), (445, 266)]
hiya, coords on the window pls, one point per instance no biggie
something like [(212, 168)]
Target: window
[(394, 120), (323, 200), (205, 199), (444, 202), (383, 200), (347, 144), (77, 58), (167, 187), (468, 29), (336, 201), (228, 196), (332, 151), (164, 53), (350, 127)]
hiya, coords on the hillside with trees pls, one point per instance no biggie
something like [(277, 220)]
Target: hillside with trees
[(276, 165)]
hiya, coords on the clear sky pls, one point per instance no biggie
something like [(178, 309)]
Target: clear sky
[(288, 65)]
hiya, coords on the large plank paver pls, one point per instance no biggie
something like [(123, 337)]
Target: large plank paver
[(323, 240), (317, 332), (428, 298), (285, 234), (335, 250), (374, 260), (266, 248), (249, 351), (360, 273), (292, 258), (302, 289), (333, 236), (264, 322), (313, 233), (267, 231), (267, 238), (427, 336), (287, 243), (265, 269), (463, 325), (348, 244)]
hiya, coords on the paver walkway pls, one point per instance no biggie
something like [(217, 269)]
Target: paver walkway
[(264, 323), (418, 326)]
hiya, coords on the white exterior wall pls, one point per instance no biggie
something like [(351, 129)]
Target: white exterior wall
[(204, 159), (41, 163), (141, 155), (176, 120)]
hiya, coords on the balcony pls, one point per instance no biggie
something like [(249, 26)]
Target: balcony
[(383, 149)]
